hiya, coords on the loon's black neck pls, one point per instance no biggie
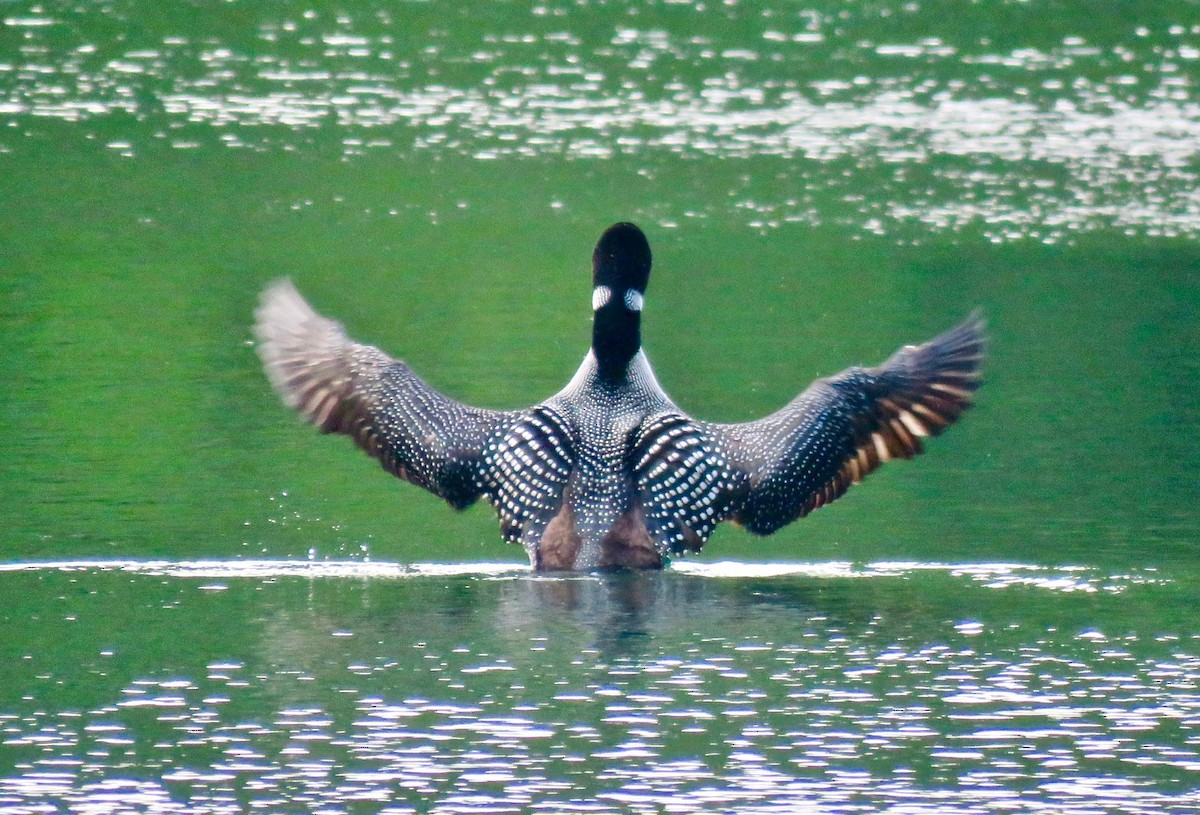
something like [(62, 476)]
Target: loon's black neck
[(620, 272), (616, 339)]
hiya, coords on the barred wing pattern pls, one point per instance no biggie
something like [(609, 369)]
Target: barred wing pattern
[(526, 469), (341, 386), (766, 474), (684, 482)]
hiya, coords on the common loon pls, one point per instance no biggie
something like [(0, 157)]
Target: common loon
[(609, 473)]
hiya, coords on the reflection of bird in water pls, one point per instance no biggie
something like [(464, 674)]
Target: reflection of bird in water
[(633, 613), (609, 472), (617, 609)]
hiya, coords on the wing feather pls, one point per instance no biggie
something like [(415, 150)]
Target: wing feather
[(344, 387), (691, 475), (843, 428)]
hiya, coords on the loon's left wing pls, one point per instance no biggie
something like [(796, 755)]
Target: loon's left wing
[(344, 387), (765, 474)]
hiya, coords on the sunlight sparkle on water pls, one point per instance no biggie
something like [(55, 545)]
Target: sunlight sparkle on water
[(1114, 149), (483, 741)]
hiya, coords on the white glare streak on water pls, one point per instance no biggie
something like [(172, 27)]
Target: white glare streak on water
[(992, 575)]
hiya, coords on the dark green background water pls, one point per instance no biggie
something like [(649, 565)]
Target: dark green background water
[(1006, 624)]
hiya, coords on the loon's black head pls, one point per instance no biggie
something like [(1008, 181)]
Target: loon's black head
[(620, 272), (621, 261)]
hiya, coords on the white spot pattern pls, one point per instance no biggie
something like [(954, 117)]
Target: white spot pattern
[(605, 414)]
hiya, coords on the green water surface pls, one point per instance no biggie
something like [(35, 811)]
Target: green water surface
[(207, 607)]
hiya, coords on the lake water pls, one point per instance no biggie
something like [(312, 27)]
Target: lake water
[(206, 607)]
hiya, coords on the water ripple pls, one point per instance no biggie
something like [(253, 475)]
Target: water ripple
[(367, 687), (958, 731), (1109, 132)]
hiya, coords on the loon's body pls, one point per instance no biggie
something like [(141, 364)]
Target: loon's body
[(609, 472)]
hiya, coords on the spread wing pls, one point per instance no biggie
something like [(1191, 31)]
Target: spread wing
[(343, 387), (767, 473)]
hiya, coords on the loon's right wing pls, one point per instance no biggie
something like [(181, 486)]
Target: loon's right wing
[(691, 475), (344, 387), (844, 427)]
